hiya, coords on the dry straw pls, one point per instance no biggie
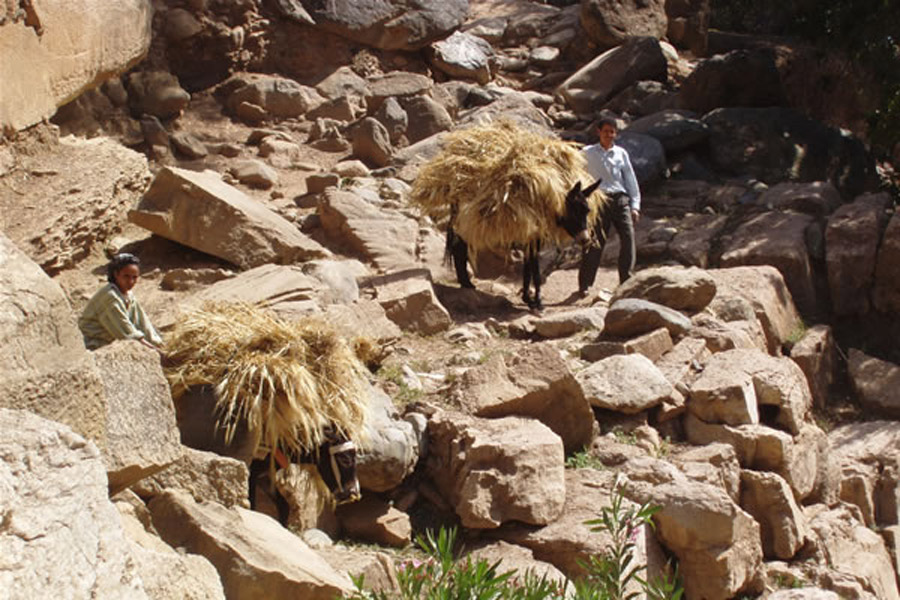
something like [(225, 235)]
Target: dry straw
[(508, 185), (286, 380)]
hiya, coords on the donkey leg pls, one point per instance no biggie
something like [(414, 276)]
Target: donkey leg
[(459, 251), (535, 260), (257, 468), (526, 280)]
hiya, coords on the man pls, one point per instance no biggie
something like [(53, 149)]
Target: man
[(611, 164)]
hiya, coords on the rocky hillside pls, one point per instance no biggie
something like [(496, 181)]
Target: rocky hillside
[(744, 381)]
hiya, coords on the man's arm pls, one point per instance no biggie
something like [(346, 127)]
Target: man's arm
[(631, 184)]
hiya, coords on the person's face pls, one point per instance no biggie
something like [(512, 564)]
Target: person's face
[(127, 276), (607, 135)]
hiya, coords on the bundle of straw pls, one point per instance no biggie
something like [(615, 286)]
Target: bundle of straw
[(502, 186), (286, 380)]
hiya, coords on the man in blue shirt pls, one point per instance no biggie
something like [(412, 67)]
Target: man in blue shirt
[(611, 163)]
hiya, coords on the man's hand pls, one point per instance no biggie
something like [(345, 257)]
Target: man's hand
[(635, 215)]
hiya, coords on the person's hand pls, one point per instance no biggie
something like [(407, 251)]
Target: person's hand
[(635, 215)]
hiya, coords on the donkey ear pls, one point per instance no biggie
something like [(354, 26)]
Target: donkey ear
[(577, 188), (590, 189)]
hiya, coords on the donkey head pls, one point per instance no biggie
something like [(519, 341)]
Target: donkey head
[(336, 463), (575, 218)]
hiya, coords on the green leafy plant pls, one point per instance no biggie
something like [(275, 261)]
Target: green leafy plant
[(583, 459)]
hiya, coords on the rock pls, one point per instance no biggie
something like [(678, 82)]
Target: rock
[(676, 130), (777, 239), (768, 498), (875, 382), (652, 345), (689, 24), (614, 23), (511, 557), (156, 93), (372, 142), (252, 552), (514, 106), (61, 536), (765, 289), (386, 238), (611, 72), (536, 383), (624, 383), (803, 594), (394, 119), (779, 144), (409, 301), (497, 470), (390, 25), (568, 541), (44, 367), (727, 335), (342, 82), (425, 116), (647, 156), (279, 153), (629, 317), (61, 51), (725, 80), (254, 173), (399, 84), (819, 198), (564, 324), (887, 269), (814, 353), (142, 436), (319, 182), (376, 569), (716, 464), (278, 97), (694, 239), (690, 290), (351, 168), (683, 362), (463, 55), (343, 108), (206, 476), (235, 228), (390, 448), (851, 247), (364, 318), (375, 521), (181, 25), (188, 145)]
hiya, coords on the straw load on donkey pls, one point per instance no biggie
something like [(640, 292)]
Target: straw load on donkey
[(499, 186), (248, 384)]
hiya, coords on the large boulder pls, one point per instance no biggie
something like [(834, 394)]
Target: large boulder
[(648, 157), (768, 498), (690, 290), (598, 81), (254, 555), (463, 55), (629, 317), (610, 23), (156, 93), (815, 353), (142, 435), (626, 383), (676, 130), (44, 367), (851, 246), (781, 144), (53, 51), (204, 475), (875, 382), (409, 300), (496, 470), (887, 269), (391, 24), (390, 448), (61, 537), (278, 97), (739, 78), (535, 382), (233, 227)]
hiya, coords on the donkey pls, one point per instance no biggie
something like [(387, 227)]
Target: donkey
[(574, 221), (335, 458)]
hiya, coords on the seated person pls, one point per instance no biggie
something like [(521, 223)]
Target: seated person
[(113, 313)]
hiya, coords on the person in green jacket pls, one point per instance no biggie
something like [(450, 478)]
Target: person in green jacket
[(113, 313)]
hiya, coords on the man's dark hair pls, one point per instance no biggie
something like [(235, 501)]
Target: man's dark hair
[(607, 121), (118, 262)]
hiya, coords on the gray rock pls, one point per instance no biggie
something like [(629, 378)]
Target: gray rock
[(675, 129), (629, 317), (875, 382), (254, 173), (647, 156), (426, 117), (390, 449), (188, 145), (277, 96), (157, 93), (372, 142), (463, 55), (887, 269), (739, 78), (624, 383), (614, 23)]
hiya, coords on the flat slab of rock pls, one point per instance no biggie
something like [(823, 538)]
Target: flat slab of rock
[(497, 470), (205, 475), (631, 317), (233, 227), (678, 288), (876, 382), (627, 383), (375, 521), (409, 300), (769, 499), (142, 434), (254, 555), (564, 324), (61, 536)]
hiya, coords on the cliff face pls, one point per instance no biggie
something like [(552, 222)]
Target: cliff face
[(53, 50)]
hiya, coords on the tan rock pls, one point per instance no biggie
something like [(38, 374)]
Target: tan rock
[(142, 435), (376, 568), (63, 49), (768, 498), (564, 324), (204, 475), (720, 336), (375, 521), (679, 288), (254, 555), (624, 383), (876, 382), (814, 353), (409, 300), (497, 470), (234, 228), (652, 345), (516, 558), (716, 464)]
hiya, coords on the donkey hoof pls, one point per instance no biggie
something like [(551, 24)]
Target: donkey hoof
[(467, 285)]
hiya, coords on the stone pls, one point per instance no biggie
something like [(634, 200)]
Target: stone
[(536, 383), (818, 198), (511, 557), (376, 569), (614, 23), (815, 354), (653, 345), (235, 228), (870, 448), (342, 82), (44, 367), (678, 288), (768, 498), (777, 239), (463, 55), (254, 173), (375, 521), (875, 382), (722, 335), (648, 157), (62, 50), (426, 117), (206, 476), (851, 248), (496, 470), (252, 552), (188, 146), (278, 97), (352, 168), (385, 238), (567, 323), (716, 464), (887, 269), (390, 448), (681, 365), (181, 25), (705, 88), (676, 130), (689, 24), (399, 84), (343, 108), (142, 435), (409, 300), (624, 383), (598, 81), (630, 316), (394, 119), (156, 93), (61, 536), (694, 239), (372, 142)]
